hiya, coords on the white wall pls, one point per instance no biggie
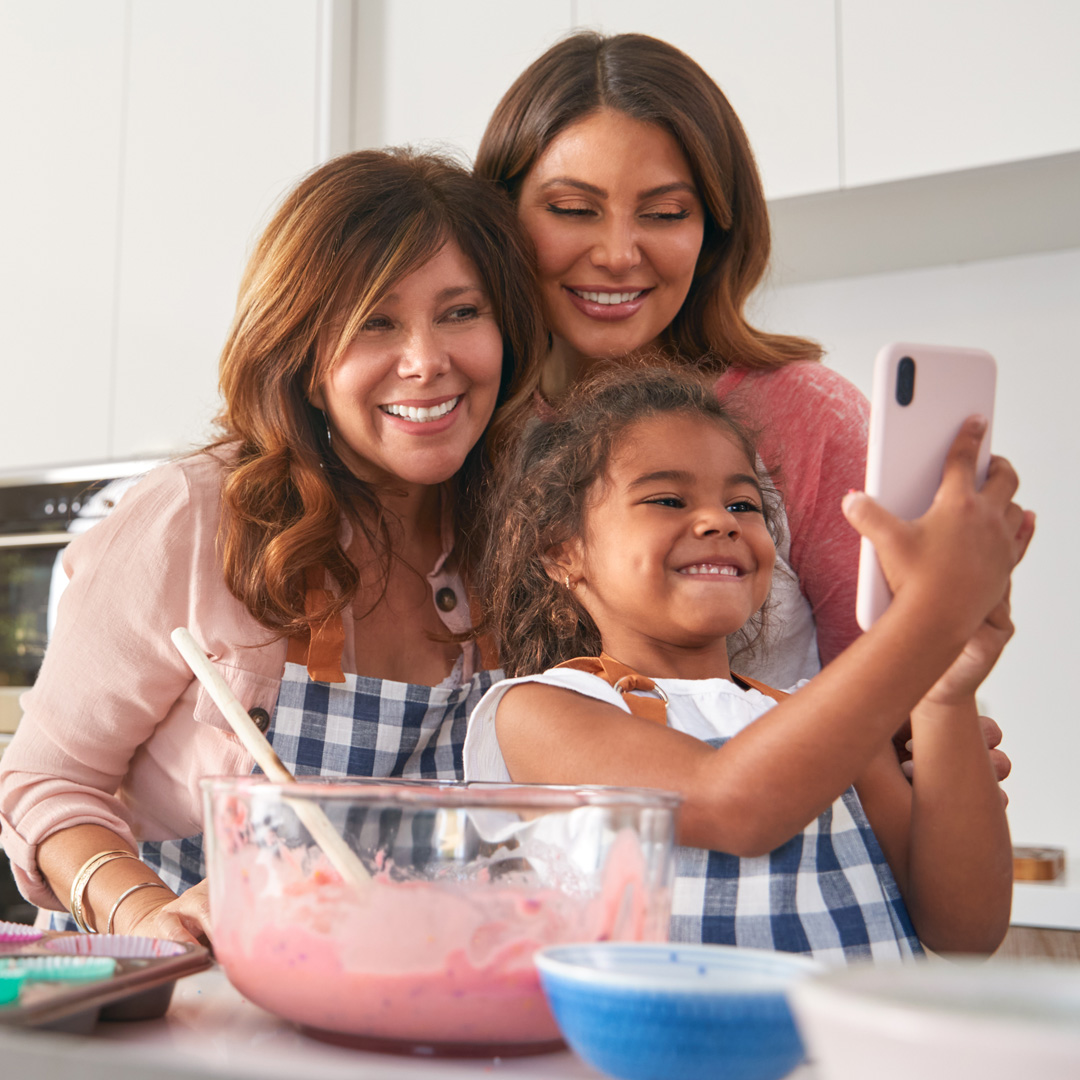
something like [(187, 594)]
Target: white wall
[(144, 145), (1026, 311)]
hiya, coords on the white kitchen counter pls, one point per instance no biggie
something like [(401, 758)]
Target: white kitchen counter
[(210, 1031)]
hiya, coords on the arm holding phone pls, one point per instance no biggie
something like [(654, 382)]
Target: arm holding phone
[(921, 396), (956, 881)]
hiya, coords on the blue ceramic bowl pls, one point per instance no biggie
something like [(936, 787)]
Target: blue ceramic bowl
[(653, 1012)]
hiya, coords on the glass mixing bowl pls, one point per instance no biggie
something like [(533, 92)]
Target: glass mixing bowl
[(435, 953)]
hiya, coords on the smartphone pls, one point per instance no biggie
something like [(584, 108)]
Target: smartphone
[(921, 396)]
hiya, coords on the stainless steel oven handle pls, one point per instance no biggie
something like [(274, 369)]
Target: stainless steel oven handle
[(37, 540)]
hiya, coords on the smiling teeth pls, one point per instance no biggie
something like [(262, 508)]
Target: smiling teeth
[(421, 416), (711, 568), (608, 297)]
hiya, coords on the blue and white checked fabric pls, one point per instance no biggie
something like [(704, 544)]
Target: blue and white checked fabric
[(362, 727), (827, 892)]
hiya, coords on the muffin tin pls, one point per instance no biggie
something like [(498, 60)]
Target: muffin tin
[(62, 981)]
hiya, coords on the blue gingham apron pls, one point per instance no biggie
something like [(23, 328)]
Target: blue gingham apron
[(362, 727), (827, 892)]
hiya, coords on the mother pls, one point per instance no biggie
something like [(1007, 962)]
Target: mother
[(319, 550), (636, 181)]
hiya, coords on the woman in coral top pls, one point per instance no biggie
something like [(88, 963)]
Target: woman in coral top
[(635, 180)]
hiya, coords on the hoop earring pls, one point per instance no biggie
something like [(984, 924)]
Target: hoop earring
[(329, 436), (570, 587)]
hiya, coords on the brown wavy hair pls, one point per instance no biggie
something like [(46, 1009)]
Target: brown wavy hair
[(539, 503), (656, 83), (336, 246)]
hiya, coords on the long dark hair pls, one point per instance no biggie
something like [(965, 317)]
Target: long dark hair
[(337, 244), (539, 503), (654, 82)]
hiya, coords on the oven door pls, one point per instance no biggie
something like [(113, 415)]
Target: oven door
[(31, 579)]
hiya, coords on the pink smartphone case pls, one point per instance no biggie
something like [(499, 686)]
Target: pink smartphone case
[(908, 443)]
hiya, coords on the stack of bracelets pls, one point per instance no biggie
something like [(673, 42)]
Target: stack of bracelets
[(82, 880)]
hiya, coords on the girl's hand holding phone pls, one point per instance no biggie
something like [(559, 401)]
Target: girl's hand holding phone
[(955, 560)]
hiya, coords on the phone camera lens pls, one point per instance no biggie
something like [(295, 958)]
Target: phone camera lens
[(905, 380)]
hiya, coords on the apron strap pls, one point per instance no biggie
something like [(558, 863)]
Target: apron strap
[(321, 650), (752, 684), (625, 679)]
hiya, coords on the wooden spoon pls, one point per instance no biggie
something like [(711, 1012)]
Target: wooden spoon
[(342, 857)]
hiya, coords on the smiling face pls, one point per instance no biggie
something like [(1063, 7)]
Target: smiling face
[(413, 392), (617, 223), (676, 553)]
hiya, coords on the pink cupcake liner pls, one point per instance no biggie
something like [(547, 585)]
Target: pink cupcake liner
[(18, 932), (118, 945)]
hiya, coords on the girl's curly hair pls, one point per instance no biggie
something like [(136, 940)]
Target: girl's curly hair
[(540, 498)]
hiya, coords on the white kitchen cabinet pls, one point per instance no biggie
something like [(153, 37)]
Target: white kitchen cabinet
[(447, 65), (775, 60), (932, 86), (151, 142), (222, 120), (61, 94)]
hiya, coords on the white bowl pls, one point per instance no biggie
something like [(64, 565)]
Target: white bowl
[(942, 1020)]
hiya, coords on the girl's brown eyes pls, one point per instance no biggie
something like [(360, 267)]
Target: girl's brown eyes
[(738, 506)]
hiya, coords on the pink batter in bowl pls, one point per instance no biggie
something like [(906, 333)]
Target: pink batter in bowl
[(468, 881)]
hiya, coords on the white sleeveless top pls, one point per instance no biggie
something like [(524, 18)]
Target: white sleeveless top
[(827, 892)]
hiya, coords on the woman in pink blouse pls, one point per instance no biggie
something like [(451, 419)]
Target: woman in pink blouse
[(319, 551)]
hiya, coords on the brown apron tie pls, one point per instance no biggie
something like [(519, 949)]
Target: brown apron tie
[(625, 679), (321, 652), (752, 684)]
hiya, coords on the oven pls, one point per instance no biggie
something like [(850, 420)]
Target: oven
[(39, 513)]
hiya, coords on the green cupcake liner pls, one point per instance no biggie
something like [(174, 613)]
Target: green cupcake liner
[(64, 968), (10, 983)]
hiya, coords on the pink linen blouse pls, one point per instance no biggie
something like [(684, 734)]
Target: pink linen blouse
[(116, 731)]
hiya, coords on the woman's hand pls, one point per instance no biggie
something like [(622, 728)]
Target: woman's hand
[(160, 913), (960, 682), (975, 662), (992, 735), (998, 758)]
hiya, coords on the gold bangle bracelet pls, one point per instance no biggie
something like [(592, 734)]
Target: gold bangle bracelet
[(125, 894), (82, 880)]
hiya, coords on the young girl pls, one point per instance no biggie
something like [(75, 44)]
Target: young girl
[(633, 537)]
